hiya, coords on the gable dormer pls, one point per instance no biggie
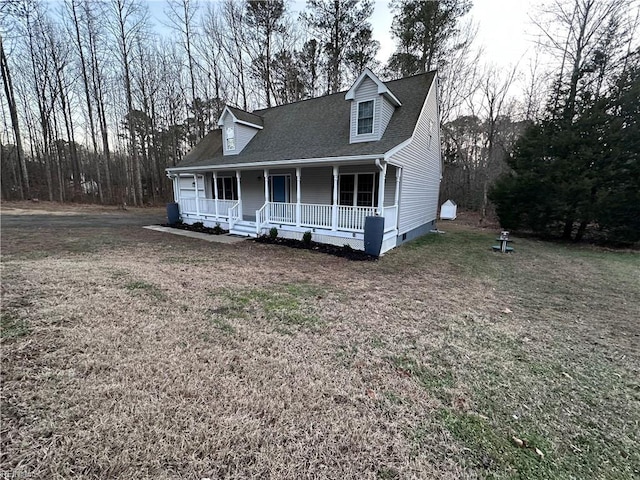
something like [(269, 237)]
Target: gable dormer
[(238, 128), (372, 106)]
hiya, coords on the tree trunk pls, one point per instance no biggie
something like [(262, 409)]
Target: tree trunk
[(582, 228), (568, 229), (25, 189)]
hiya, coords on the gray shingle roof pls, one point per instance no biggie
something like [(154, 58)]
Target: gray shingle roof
[(246, 116), (315, 128)]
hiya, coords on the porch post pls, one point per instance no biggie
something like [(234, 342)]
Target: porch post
[(195, 177), (176, 188), (239, 194), (215, 191), (267, 212), (397, 198), (334, 208), (298, 196), (381, 182)]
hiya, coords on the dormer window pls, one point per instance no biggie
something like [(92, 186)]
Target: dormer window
[(230, 138), (365, 117)]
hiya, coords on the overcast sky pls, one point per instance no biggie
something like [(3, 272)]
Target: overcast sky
[(504, 29)]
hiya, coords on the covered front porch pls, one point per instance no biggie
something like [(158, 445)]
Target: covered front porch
[(330, 201)]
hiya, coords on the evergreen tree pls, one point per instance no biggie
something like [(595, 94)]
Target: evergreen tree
[(340, 26), (423, 29), (569, 176)]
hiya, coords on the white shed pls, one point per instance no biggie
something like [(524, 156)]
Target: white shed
[(448, 210)]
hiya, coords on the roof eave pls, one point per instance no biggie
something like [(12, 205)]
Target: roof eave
[(275, 163)]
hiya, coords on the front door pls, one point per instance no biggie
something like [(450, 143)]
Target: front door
[(280, 188)]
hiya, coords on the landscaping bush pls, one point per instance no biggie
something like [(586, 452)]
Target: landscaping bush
[(273, 233), (306, 239)]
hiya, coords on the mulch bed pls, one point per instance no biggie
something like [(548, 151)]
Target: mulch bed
[(197, 228), (348, 253)]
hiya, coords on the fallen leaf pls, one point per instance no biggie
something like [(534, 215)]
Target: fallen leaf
[(567, 375), (539, 453), (506, 310), (518, 442), (371, 393)]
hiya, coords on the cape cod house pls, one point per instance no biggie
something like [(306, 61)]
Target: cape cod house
[(321, 165)]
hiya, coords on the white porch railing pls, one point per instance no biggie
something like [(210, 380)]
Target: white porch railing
[(234, 214), (390, 215), (352, 218), (208, 206), (262, 215), (188, 205), (311, 215), (314, 215), (282, 213)]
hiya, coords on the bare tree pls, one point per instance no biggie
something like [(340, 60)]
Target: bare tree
[(586, 36), (495, 91), (129, 23), (25, 190)]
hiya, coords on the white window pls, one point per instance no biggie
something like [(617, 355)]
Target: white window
[(230, 138), (365, 117), (227, 188), (358, 190)]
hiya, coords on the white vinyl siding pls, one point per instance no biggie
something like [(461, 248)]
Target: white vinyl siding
[(188, 188), (386, 112), (421, 170), (315, 185), (366, 91), (390, 187), (242, 134), (382, 112), (252, 191)]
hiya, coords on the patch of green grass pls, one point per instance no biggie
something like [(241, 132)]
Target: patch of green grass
[(346, 354), (466, 252), (491, 449), (572, 404), (224, 326), (393, 397), (434, 380), (12, 326), (387, 473), (288, 304), (145, 287)]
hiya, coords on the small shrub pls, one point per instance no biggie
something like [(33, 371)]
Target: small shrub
[(347, 248), (273, 233), (306, 239), (197, 225), (218, 230)]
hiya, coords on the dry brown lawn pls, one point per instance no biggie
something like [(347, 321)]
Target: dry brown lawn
[(128, 353)]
